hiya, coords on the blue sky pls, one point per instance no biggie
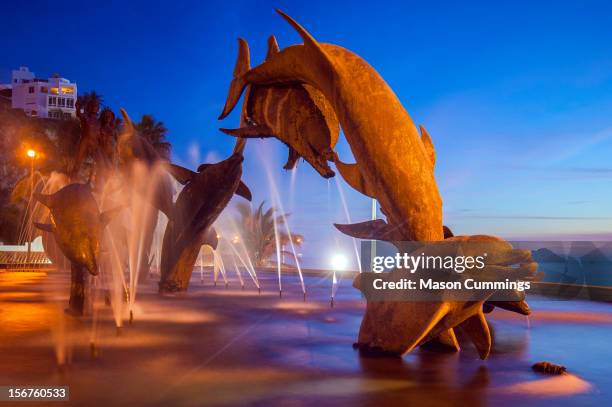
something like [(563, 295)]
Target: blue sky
[(516, 96)]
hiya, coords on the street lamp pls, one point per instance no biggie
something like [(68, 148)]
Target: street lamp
[(31, 153), (339, 262)]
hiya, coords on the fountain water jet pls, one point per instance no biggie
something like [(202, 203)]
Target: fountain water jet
[(276, 201)]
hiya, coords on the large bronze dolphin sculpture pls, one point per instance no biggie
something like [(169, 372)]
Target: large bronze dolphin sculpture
[(392, 158), (206, 193), (77, 226), (296, 114)]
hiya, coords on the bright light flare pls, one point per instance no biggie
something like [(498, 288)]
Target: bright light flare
[(31, 153), (339, 262)]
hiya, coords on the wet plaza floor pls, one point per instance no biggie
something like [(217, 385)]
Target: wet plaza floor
[(229, 346)]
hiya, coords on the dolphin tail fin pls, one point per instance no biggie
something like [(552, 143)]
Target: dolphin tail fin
[(243, 65), (273, 47)]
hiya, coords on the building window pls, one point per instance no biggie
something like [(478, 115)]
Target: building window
[(44, 89), (55, 91), (52, 100), (61, 102), (70, 103), (34, 113), (67, 116), (68, 90), (31, 89)]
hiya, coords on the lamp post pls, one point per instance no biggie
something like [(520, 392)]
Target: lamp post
[(31, 155)]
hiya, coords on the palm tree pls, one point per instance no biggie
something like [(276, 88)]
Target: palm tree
[(92, 99), (257, 230), (155, 133)]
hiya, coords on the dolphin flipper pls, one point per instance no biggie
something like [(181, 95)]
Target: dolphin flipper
[(352, 175), (292, 159), (46, 227), (181, 174), (447, 339), (477, 329), (244, 191), (257, 131), (44, 199), (372, 229)]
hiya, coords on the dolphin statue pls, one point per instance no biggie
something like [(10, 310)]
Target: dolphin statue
[(392, 158), (204, 196), (132, 148), (415, 323), (77, 225), (501, 252), (296, 114)]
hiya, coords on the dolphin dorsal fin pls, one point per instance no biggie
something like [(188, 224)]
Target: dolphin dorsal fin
[(428, 144), (244, 191), (273, 47), (353, 176), (181, 174), (314, 49), (243, 62)]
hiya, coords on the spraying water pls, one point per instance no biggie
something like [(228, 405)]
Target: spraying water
[(278, 204)]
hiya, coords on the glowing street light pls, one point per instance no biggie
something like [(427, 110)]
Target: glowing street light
[(235, 239), (31, 153), (339, 262)]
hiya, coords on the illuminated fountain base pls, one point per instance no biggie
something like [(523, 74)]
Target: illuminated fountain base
[(200, 348)]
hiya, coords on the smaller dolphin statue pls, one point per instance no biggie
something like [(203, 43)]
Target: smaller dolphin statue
[(296, 114), (204, 196), (77, 225)]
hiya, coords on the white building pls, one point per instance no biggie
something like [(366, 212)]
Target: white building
[(52, 98)]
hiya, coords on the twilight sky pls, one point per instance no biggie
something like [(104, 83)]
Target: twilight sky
[(516, 96)]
